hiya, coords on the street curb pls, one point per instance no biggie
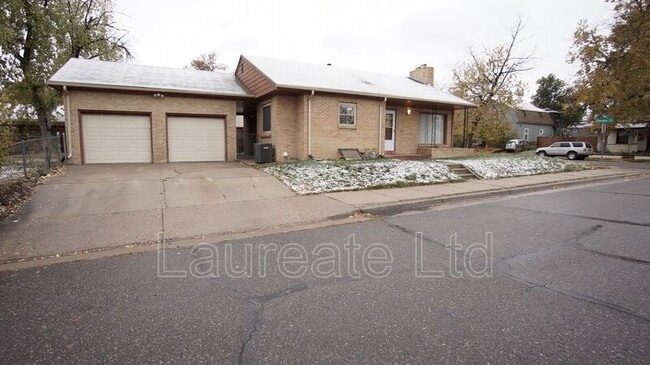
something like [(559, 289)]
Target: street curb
[(337, 219), (387, 209), (180, 242)]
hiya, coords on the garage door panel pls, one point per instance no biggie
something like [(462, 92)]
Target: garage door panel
[(111, 138), (196, 139)]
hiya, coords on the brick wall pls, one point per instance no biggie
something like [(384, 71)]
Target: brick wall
[(407, 135), (328, 137), (289, 126), (98, 101), (283, 125)]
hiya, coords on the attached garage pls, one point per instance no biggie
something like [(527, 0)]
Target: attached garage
[(193, 139), (116, 138), (124, 113)]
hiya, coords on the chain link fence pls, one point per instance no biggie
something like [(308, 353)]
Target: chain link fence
[(32, 157)]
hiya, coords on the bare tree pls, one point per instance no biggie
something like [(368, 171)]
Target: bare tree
[(489, 78), (208, 62)]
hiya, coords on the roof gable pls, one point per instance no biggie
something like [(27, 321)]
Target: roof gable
[(306, 76)]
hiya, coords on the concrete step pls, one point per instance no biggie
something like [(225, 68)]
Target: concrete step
[(462, 171)]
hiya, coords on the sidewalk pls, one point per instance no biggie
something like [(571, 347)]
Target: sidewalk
[(111, 225), (384, 201)]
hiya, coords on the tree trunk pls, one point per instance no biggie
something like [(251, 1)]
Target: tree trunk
[(44, 125)]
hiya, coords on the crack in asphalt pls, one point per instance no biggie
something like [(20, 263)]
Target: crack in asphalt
[(612, 256), (580, 216), (569, 294), (616, 193), (163, 203), (258, 313), (573, 241)]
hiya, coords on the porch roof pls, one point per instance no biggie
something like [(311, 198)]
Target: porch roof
[(323, 78)]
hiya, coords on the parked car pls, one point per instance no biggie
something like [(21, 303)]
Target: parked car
[(515, 145), (572, 150)]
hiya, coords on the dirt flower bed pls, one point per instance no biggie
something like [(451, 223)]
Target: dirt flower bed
[(313, 177), (15, 189)]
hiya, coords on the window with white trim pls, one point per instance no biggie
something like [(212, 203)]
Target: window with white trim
[(526, 133), (541, 132), (347, 115), (266, 118), (432, 128)]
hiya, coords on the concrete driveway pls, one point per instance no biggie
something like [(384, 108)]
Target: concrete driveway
[(95, 206)]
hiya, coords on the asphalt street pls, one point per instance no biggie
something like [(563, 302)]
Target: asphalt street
[(553, 277)]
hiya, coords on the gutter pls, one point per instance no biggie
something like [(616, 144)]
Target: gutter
[(309, 124), (458, 103), (381, 119), (68, 140), (148, 89)]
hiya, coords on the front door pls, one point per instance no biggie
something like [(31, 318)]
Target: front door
[(389, 131)]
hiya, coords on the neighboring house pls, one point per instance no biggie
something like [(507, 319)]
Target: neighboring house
[(529, 122), (118, 112), (583, 129), (630, 138), (24, 124)]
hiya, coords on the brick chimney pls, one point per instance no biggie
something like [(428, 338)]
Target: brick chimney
[(423, 73)]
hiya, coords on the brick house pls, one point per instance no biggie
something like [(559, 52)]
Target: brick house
[(117, 113)]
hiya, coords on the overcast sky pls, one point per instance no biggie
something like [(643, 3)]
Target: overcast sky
[(381, 36)]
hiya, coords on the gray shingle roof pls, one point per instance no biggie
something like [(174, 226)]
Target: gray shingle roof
[(307, 76), (124, 76), (532, 108)]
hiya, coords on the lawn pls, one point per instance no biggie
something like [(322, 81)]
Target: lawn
[(313, 177), (521, 164)]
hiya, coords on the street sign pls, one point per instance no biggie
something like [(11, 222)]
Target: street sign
[(604, 119)]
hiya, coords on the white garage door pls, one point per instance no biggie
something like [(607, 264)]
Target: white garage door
[(196, 139), (112, 138)]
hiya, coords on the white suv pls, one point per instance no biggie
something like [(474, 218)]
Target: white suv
[(572, 150)]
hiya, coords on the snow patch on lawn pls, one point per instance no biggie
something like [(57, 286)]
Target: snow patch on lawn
[(313, 177), (495, 167), (11, 172)]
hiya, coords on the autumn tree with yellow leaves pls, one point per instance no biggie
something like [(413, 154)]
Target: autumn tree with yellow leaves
[(614, 76)]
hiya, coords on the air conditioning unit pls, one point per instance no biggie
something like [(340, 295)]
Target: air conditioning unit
[(263, 152)]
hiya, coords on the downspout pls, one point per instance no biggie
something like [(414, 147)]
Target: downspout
[(309, 124), (381, 118), (68, 139)]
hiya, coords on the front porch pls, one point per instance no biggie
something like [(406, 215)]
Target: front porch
[(444, 151), (428, 152)]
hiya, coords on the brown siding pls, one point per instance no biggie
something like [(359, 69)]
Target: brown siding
[(253, 79), (530, 117)]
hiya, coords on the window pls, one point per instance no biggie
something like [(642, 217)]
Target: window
[(432, 128), (578, 144), (347, 115), (565, 144), (540, 132), (526, 133), (266, 118), (622, 136)]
